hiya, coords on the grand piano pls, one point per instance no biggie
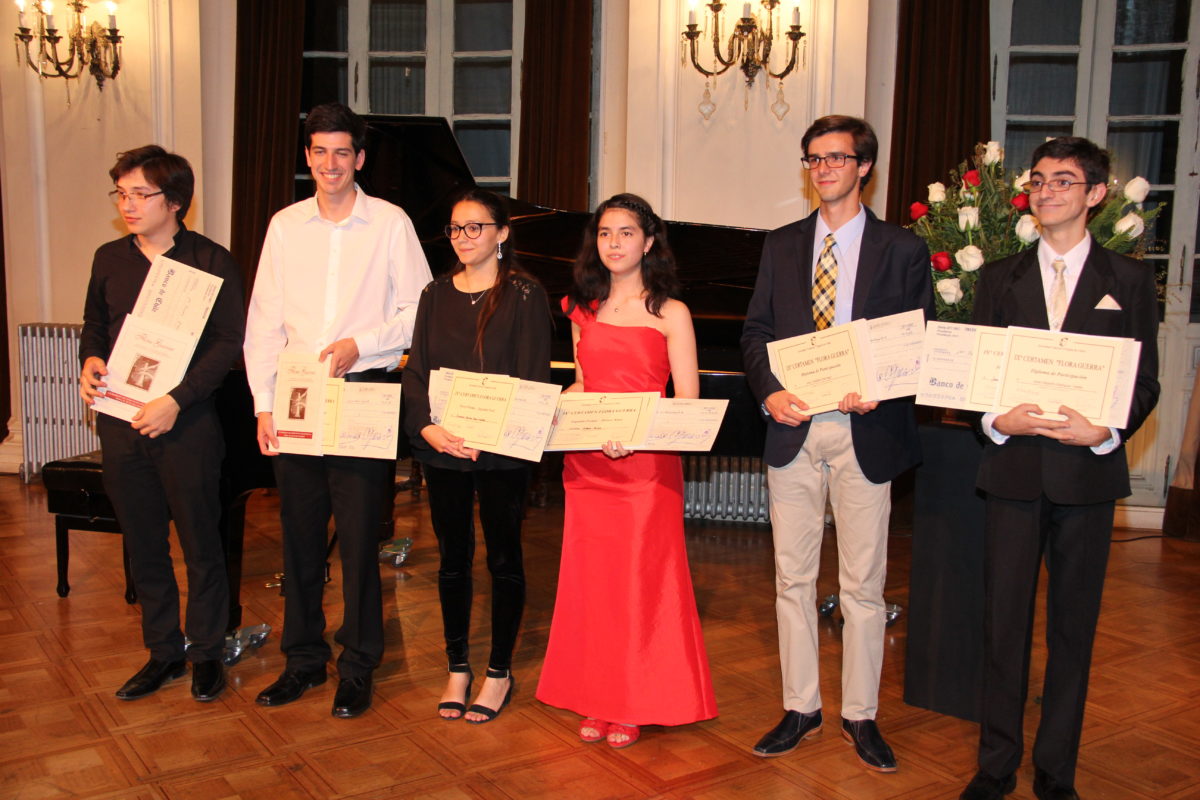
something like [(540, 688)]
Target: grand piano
[(415, 163)]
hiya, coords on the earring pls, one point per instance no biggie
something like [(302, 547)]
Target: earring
[(499, 252)]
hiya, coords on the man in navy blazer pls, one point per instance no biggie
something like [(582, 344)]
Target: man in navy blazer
[(1051, 484), (874, 269)]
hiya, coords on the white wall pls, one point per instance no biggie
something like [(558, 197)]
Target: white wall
[(742, 166), (58, 139)]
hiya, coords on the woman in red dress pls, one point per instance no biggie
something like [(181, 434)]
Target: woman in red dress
[(626, 648)]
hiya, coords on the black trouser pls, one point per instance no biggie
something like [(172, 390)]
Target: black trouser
[(501, 506), (151, 481), (354, 491), (1074, 541)]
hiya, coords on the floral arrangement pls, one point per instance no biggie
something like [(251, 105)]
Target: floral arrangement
[(982, 215)]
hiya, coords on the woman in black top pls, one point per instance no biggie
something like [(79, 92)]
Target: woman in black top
[(488, 316)]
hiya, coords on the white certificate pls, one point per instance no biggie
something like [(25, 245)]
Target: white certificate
[(148, 361), (820, 368), (177, 296), (527, 420), (1093, 375), (961, 366), (588, 420), (685, 424), (892, 353), (300, 402), (360, 419), (477, 407)]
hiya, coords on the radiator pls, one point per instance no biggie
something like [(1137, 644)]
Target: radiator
[(54, 421), (725, 488)]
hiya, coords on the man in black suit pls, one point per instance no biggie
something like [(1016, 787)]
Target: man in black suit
[(838, 264), (1052, 483)]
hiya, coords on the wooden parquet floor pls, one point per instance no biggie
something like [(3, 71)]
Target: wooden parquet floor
[(64, 734)]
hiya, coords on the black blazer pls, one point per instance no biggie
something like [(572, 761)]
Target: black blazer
[(893, 276), (1010, 292)]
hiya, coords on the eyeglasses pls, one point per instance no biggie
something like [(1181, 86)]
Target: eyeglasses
[(117, 196), (1056, 185), (833, 160), (471, 229)]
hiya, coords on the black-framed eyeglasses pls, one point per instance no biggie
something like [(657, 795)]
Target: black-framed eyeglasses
[(1056, 184), (118, 196), (471, 229), (833, 160)]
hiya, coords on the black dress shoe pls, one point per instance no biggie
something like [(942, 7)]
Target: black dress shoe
[(150, 678), (869, 744), (353, 697), (208, 679), (289, 686), (787, 735), (1046, 788), (985, 787)]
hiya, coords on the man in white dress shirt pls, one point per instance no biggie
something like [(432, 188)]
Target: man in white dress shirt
[(340, 275), (1051, 484)]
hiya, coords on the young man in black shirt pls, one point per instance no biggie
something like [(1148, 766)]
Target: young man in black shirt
[(165, 464)]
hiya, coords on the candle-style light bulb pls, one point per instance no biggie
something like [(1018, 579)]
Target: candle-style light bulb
[(48, 10), (112, 14), (21, 21)]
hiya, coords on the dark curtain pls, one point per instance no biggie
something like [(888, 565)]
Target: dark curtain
[(270, 50), (554, 156), (5, 372), (943, 95)]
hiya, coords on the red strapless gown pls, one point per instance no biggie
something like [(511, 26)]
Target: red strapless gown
[(625, 643)]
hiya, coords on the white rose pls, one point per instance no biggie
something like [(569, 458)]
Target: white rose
[(970, 258), (950, 290), (968, 217), (1131, 225), (1019, 183), (1027, 229), (937, 192), (993, 154), (1137, 189)]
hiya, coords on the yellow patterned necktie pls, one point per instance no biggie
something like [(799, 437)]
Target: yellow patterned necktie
[(1058, 295), (824, 290)]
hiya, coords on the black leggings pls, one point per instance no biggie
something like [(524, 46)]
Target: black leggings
[(501, 507)]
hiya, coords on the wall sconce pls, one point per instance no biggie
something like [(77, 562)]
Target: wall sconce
[(749, 46), (95, 47)]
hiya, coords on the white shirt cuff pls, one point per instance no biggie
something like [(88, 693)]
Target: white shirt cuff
[(989, 431), (1113, 442)]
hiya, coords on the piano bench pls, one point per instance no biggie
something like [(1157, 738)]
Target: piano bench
[(75, 495)]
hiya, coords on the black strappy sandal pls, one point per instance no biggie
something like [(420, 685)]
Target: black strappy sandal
[(491, 713), (453, 705)]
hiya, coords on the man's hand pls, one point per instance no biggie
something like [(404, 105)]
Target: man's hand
[(1078, 431), (156, 417), (266, 434), (91, 380), (1019, 421), (443, 441), (787, 409), (853, 402), (343, 353)]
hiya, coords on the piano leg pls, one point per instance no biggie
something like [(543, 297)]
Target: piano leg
[(233, 530)]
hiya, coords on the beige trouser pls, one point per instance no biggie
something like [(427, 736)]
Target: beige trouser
[(827, 463)]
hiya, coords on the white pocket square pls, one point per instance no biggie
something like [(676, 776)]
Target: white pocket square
[(1108, 304)]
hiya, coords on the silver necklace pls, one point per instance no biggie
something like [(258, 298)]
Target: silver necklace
[(476, 298)]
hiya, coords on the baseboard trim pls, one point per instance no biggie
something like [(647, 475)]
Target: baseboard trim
[(1145, 518)]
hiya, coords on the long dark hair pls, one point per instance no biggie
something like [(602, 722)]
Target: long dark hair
[(506, 267), (592, 279)]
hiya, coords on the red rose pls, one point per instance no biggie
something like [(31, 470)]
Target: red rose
[(940, 261), (917, 210), (971, 177), (1020, 202)]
